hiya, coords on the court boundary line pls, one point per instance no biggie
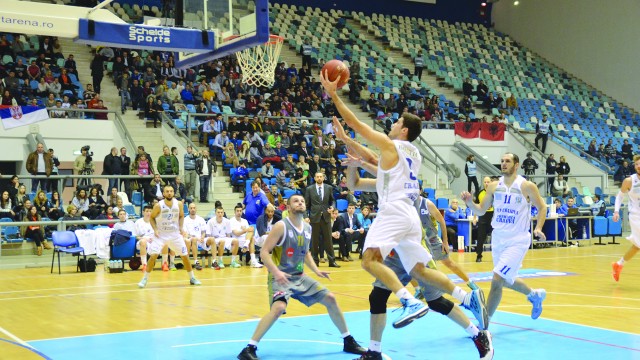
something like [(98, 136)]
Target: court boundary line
[(21, 343)]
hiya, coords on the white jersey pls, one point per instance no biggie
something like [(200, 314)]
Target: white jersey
[(512, 211), (400, 183), (142, 228), (194, 227), (634, 195), (218, 229), (238, 225), (168, 223)]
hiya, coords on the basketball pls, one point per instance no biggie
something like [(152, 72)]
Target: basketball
[(335, 68)]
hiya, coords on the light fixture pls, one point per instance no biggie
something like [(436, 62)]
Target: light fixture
[(483, 4), (516, 3)]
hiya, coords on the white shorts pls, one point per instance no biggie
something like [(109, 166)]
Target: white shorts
[(138, 245), (176, 244), (228, 242), (397, 226), (508, 251), (634, 222)]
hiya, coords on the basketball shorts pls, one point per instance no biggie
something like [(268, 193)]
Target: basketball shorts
[(227, 242), (301, 287), (397, 227), (435, 248), (634, 222), (508, 252), (138, 243), (259, 241), (394, 263), (174, 241)]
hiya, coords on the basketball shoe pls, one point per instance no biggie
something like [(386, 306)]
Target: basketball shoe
[(536, 297), (617, 269), (484, 345), (411, 309), (474, 302)]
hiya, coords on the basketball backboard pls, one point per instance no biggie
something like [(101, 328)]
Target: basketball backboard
[(237, 25)]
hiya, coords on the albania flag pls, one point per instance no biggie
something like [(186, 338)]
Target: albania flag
[(467, 130), (492, 131)]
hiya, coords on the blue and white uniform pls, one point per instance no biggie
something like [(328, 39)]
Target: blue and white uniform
[(168, 225), (511, 224), (634, 210), (397, 224)]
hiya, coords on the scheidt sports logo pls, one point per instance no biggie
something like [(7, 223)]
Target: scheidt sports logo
[(147, 34)]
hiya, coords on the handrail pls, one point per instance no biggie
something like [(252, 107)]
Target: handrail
[(124, 132), (451, 173), (603, 179), (582, 153), (491, 170), (526, 143)]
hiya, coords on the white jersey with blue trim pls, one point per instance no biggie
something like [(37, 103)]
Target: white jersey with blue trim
[(168, 223), (400, 183), (512, 210), (634, 195)]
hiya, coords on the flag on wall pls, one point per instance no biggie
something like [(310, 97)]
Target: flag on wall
[(467, 130), (492, 131), (15, 116)]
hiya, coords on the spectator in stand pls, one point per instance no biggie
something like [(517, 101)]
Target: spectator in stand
[(97, 70), (626, 151), (598, 208), (204, 168), (624, 170), (81, 201), (451, 217), (601, 153), (563, 167), (35, 232), (543, 129), (39, 163), (156, 112), (70, 65), (167, 163), (241, 174), (112, 165), (610, 150), (180, 190), (239, 105), (6, 208), (465, 106), (97, 205), (267, 171), (269, 154), (89, 94), (230, 155), (552, 167), (221, 141), (123, 83), (560, 187), (512, 103), (55, 87), (470, 169), (156, 185), (482, 91), (137, 95), (593, 149), (100, 115), (112, 198), (467, 88), (529, 165), (190, 174)]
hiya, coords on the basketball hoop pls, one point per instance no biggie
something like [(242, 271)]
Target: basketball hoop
[(258, 63)]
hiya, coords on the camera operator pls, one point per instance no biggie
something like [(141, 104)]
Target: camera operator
[(84, 165)]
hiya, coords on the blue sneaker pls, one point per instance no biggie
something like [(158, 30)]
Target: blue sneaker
[(474, 302), (411, 309), (536, 298), (418, 294)]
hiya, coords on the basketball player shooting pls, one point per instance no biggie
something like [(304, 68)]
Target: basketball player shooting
[(397, 226)]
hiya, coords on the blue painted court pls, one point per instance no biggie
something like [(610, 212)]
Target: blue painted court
[(315, 337)]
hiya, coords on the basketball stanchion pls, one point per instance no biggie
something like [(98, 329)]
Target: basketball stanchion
[(259, 63)]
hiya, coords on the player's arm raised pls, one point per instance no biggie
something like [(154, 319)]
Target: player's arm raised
[(378, 139), (531, 191), (354, 181), (480, 209), (274, 237), (358, 149)]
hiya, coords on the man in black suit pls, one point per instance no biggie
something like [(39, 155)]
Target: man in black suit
[(337, 228), (320, 201), (353, 231)]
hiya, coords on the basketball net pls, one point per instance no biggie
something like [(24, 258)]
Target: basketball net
[(259, 63)]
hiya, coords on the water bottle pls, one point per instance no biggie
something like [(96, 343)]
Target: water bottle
[(584, 232), (120, 264)]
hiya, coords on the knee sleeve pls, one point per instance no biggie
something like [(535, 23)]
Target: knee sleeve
[(378, 300), (441, 305)]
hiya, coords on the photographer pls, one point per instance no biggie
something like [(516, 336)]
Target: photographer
[(84, 165)]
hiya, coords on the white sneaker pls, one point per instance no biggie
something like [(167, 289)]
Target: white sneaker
[(235, 264), (256, 264), (142, 283)]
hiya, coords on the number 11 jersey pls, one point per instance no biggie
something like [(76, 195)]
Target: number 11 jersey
[(512, 211)]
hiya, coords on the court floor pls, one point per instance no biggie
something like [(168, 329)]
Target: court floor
[(105, 316)]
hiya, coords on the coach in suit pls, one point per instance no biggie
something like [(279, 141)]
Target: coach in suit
[(320, 202), (353, 231)]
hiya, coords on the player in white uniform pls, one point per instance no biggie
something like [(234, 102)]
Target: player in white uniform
[(167, 220), (195, 228), (241, 231), (144, 234), (397, 226), (219, 233), (631, 187), (511, 197)]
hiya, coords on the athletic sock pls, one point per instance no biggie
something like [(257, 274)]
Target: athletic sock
[(253, 257), (404, 294), (191, 275), (459, 294), (472, 330), (234, 258), (253, 343), (143, 260), (344, 335), (172, 259), (145, 276), (621, 261), (375, 346), (164, 259)]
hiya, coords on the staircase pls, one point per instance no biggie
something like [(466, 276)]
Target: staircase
[(145, 135)]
